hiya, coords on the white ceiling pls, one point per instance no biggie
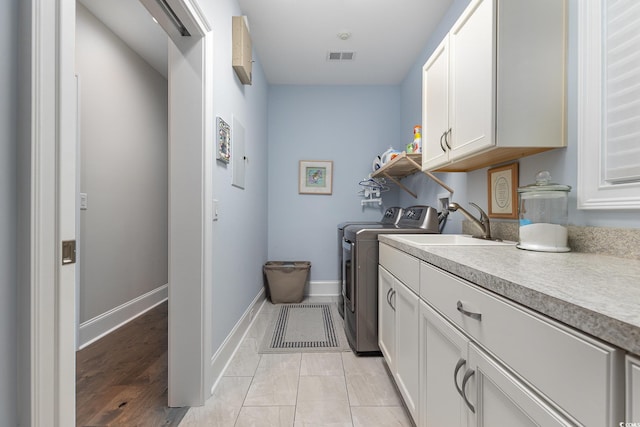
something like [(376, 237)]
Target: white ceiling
[(292, 38)]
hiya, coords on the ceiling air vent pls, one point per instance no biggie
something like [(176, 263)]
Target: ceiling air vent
[(341, 56)]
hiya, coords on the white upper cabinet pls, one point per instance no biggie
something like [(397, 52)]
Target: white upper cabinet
[(471, 85), (435, 105), (494, 89)]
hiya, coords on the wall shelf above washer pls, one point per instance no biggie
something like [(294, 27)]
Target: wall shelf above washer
[(404, 165)]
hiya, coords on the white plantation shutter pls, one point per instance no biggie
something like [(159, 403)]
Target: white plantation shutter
[(621, 73)]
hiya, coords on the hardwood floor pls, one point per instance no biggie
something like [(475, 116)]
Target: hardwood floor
[(121, 379)]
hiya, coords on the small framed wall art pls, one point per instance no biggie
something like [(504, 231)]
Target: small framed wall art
[(503, 183), (223, 140), (315, 177)]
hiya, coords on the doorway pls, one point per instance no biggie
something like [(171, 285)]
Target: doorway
[(122, 255), (123, 177), (48, 380)]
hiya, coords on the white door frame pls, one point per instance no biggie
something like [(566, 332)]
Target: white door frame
[(47, 288), (190, 210)]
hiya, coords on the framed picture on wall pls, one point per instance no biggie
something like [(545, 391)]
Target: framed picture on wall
[(503, 183), (223, 141), (315, 177)]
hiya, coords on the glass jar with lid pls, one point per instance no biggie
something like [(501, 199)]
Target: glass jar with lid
[(543, 214)]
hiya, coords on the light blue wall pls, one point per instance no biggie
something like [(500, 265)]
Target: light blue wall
[(240, 233), (561, 163), (411, 108), (345, 124), (8, 210)]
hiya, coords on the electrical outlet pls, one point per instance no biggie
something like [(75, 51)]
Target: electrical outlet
[(443, 201)]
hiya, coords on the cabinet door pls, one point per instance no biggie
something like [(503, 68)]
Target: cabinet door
[(407, 307), (522, 338), (435, 107), (443, 353), (472, 82), (386, 317), (497, 398), (633, 389)]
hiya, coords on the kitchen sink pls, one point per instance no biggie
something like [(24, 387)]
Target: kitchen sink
[(447, 239)]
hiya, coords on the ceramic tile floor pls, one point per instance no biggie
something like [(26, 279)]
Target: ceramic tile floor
[(300, 389)]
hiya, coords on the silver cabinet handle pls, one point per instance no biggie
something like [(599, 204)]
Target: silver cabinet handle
[(446, 139), (444, 150), (393, 294), (465, 379), (471, 314), (389, 296), (459, 366)]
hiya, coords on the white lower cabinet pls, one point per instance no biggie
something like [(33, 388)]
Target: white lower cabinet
[(571, 371), (463, 356), (502, 399), (407, 321), (633, 389), (461, 385), (386, 317), (398, 316), (443, 355)]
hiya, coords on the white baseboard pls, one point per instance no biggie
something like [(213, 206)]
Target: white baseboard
[(328, 288), (221, 359), (96, 328)]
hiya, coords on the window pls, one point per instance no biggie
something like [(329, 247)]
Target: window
[(609, 104)]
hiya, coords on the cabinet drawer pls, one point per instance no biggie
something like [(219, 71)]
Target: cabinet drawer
[(402, 265), (581, 375)]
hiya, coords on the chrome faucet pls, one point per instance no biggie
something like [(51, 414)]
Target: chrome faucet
[(482, 223)]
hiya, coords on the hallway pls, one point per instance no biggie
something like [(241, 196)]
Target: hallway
[(121, 379)]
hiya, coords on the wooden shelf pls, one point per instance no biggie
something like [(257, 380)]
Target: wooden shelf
[(404, 165)]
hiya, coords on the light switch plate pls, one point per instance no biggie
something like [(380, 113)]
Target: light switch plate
[(216, 203), (83, 201)]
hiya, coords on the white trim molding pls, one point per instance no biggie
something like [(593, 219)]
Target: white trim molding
[(594, 192), (324, 288), (47, 292), (99, 326), (190, 229), (223, 356)]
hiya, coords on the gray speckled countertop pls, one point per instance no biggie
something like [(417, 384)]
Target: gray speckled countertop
[(597, 294)]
